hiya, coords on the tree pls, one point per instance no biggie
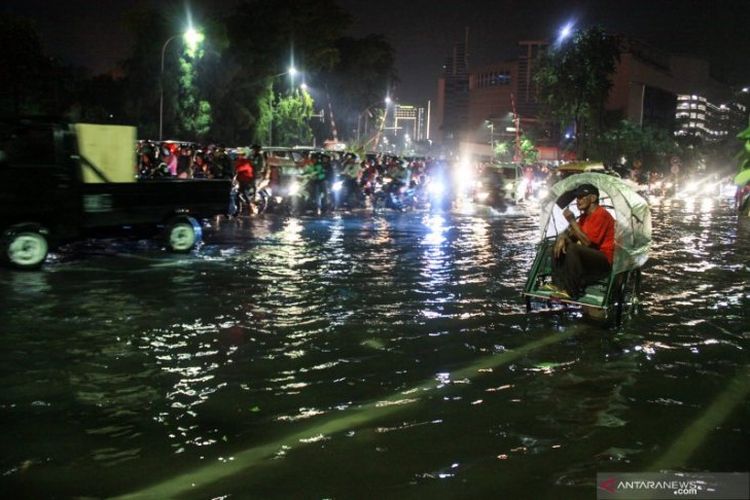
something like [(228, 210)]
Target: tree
[(262, 35), (505, 151), (743, 156), (31, 83), (653, 146), (362, 78), (194, 113), (291, 116), (574, 82)]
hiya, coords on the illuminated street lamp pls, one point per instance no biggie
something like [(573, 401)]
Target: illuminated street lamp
[(292, 71), (387, 101), (565, 33), (191, 38)]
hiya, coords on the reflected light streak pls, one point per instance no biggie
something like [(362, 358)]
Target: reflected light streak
[(364, 414), (695, 435), (436, 225)]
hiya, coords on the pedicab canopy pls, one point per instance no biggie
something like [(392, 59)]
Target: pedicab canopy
[(631, 212)]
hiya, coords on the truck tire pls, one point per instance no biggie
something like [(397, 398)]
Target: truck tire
[(183, 233), (25, 246)]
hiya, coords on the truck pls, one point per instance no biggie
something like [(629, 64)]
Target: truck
[(60, 182)]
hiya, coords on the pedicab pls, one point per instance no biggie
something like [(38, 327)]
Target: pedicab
[(616, 295)]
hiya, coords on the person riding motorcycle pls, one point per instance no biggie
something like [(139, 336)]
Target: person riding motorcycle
[(243, 183), (346, 186), (315, 173)]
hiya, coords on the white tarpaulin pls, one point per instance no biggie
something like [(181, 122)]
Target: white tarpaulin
[(632, 215), (107, 152)]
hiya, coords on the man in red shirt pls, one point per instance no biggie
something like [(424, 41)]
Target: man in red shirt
[(244, 185), (584, 252)]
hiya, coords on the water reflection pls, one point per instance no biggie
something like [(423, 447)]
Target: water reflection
[(302, 323)]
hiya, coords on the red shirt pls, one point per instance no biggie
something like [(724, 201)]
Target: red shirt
[(599, 227), (244, 170)]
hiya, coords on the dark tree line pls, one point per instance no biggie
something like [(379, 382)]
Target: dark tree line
[(228, 91)]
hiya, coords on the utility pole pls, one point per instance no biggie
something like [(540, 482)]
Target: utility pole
[(517, 122)]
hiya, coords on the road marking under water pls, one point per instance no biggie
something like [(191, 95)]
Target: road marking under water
[(243, 460), (693, 437)]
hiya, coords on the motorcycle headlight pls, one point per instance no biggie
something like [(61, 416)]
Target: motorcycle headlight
[(294, 188), (337, 185), (436, 188)]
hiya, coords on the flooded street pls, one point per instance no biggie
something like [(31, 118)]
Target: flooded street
[(363, 355)]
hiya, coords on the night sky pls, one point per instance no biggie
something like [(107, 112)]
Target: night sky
[(89, 33)]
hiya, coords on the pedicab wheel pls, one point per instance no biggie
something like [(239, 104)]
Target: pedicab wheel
[(626, 297), (183, 233), (25, 246), (262, 204)]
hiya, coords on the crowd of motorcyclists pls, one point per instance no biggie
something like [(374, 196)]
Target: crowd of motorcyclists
[(309, 180), (319, 181)]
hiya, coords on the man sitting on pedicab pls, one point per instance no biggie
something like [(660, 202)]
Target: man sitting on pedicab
[(583, 253)]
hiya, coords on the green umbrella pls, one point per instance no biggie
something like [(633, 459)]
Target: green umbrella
[(743, 177)]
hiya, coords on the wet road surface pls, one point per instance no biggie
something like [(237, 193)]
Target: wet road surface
[(363, 355)]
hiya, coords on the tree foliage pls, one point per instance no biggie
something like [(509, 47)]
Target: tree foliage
[(649, 144), (291, 117), (233, 91), (194, 112), (31, 83), (743, 156), (364, 76), (574, 82), (506, 151)]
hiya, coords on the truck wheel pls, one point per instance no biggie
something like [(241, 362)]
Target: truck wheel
[(25, 247), (183, 234)]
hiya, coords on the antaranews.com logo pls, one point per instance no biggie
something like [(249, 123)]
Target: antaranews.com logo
[(668, 485)]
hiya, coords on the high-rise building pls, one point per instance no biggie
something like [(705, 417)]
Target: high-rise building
[(527, 102), (409, 120), (701, 119), (453, 93)]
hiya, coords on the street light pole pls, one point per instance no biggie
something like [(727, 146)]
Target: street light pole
[(161, 86), (192, 38), (292, 71), (366, 112)]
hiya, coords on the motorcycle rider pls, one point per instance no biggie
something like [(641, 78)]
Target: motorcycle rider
[(350, 175), (243, 183), (315, 173)]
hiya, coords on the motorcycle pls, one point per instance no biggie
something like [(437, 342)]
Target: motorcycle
[(345, 192), (386, 193)]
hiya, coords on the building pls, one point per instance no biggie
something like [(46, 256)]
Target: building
[(704, 121), (453, 94), (405, 124), (527, 101), (481, 105)]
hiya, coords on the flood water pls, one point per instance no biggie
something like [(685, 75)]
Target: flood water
[(365, 355)]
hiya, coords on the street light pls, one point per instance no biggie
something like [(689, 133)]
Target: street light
[(192, 38), (292, 72), (387, 101), (565, 33), (491, 125)]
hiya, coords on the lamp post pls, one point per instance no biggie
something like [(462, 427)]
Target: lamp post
[(191, 38), (387, 101), (491, 125), (292, 71)]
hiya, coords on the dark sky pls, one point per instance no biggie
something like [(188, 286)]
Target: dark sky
[(90, 33)]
